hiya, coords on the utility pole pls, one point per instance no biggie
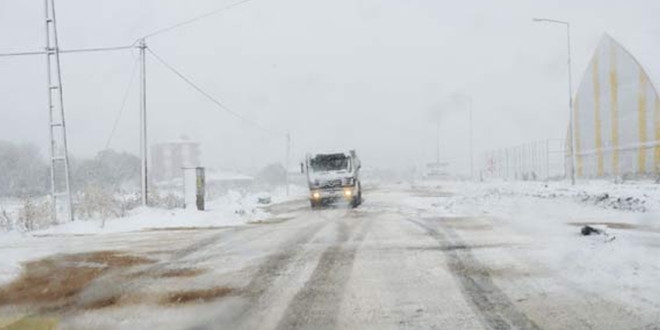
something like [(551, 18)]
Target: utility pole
[(571, 120), (143, 122), (59, 152), (570, 103), (288, 159), (437, 138), (60, 178), (469, 99)]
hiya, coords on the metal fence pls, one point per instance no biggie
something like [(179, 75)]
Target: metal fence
[(539, 160)]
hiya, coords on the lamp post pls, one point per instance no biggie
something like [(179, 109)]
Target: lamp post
[(570, 91), (468, 100)]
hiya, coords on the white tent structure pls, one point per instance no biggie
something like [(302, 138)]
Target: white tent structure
[(617, 117)]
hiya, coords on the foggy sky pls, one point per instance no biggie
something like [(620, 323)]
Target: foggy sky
[(363, 74)]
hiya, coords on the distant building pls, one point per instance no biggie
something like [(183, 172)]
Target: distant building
[(168, 158)]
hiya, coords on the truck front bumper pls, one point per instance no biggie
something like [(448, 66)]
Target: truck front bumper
[(325, 194)]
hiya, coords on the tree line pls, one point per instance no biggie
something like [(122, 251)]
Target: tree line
[(25, 172)]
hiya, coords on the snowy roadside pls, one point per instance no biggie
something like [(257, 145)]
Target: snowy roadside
[(231, 210), (546, 218), (637, 196)]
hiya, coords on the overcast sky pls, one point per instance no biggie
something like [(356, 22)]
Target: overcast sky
[(365, 74)]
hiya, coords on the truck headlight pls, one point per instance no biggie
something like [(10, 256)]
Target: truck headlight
[(348, 193), (316, 195)]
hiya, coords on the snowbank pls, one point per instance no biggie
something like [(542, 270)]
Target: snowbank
[(621, 265), (231, 209), (637, 196)]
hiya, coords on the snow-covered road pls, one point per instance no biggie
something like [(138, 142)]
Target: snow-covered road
[(426, 257)]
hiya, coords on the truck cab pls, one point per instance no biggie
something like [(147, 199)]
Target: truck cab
[(333, 177)]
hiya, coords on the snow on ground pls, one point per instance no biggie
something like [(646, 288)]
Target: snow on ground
[(638, 196), (232, 209), (545, 218), (621, 265)]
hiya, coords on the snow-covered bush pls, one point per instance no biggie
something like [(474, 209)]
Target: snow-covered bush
[(166, 200), (34, 215), (127, 202), (6, 221), (96, 202)]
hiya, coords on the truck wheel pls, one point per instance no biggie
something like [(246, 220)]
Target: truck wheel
[(357, 200), (314, 204)]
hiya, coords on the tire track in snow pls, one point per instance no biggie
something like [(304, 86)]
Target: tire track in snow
[(317, 304), (273, 267), (275, 263), (494, 306)]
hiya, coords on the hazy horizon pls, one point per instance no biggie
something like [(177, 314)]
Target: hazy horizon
[(365, 75)]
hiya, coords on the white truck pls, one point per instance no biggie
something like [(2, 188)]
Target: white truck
[(333, 177)]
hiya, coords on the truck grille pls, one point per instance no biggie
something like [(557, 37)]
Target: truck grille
[(331, 184)]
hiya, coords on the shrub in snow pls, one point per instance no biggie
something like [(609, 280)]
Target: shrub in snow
[(127, 202), (6, 221), (96, 202), (34, 215), (167, 200)]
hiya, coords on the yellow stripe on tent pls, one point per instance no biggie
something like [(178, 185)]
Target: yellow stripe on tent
[(614, 107), (641, 120), (598, 130)]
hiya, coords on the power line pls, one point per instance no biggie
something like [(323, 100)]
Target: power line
[(154, 33), (194, 19), (64, 51), (123, 103), (101, 49), (211, 98), (133, 45), (22, 53)]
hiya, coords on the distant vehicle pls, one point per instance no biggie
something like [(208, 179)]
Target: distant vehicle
[(333, 177), (436, 171)]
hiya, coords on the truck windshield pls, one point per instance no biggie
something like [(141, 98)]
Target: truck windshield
[(334, 162)]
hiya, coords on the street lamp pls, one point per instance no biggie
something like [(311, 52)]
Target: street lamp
[(570, 91), (438, 112), (468, 100)]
